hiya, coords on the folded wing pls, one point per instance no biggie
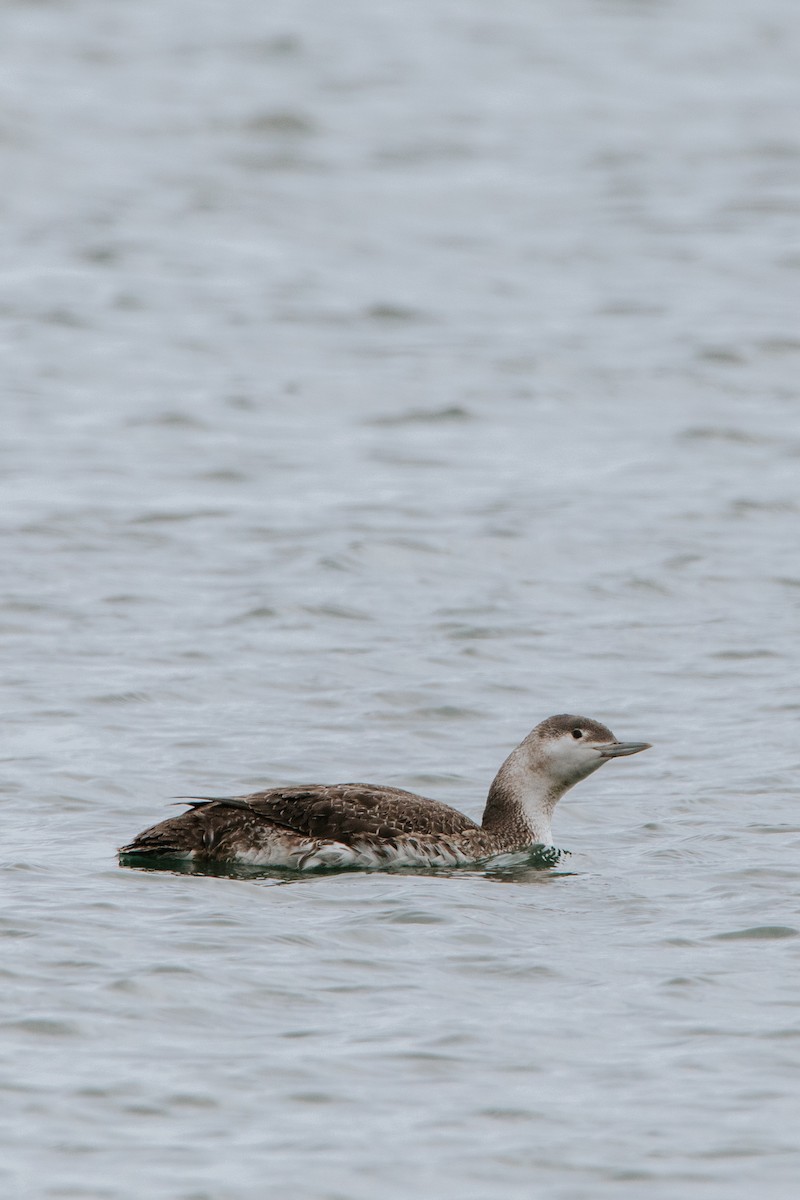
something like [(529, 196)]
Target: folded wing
[(344, 812)]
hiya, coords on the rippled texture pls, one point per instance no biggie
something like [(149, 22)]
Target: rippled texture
[(379, 379)]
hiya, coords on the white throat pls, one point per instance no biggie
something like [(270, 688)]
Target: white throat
[(534, 794), (524, 793)]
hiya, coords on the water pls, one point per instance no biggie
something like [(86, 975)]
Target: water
[(379, 379)]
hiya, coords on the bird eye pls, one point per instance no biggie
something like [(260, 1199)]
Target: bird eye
[(577, 733)]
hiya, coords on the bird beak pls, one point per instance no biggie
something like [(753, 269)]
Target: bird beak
[(620, 749)]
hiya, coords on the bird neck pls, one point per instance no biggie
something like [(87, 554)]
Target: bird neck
[(523, 799)]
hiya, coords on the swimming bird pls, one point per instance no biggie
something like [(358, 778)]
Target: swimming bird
[(367, 825)]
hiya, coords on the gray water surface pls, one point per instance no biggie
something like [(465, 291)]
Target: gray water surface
[(379, 379)]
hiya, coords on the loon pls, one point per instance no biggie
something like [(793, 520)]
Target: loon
[(366, 825)]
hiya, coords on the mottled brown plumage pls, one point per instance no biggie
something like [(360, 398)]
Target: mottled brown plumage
[(348, 813), (346, 810)]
